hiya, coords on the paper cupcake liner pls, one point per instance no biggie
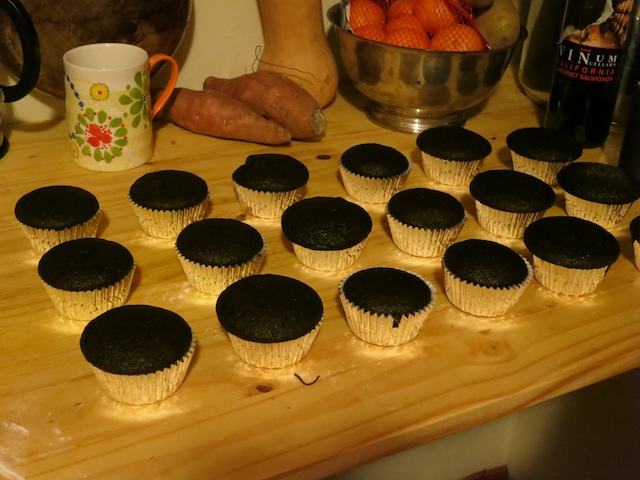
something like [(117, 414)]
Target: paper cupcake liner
[(370, 189), (480, 300), (567, 281), (379, 329), (266, 204), (423, 242), (505, 224), (636, 253), (86, 305), (274, 355), (545, 171), (450, 172), (149, 388), (168, 223), (605, 215), (329, 260), (42, 240), (212, 280)]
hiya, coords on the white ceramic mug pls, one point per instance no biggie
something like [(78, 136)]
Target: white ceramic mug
[(108, 104)]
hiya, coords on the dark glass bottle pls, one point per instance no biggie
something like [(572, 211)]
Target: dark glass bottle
[(588, 66)]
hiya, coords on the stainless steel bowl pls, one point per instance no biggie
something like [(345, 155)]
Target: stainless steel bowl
[(410, 90)]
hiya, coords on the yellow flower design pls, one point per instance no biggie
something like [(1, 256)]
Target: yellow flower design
[(99, 91)]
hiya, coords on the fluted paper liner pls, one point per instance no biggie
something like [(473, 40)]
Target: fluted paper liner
[(480, 300), (329, 260), (168, 223), (545, 171), (423, 242), (606, 215), (503, 223), (212, 280), (450, 172), (274, 355), (371, 189), (148, 388), (567, 281), (43, 239), (85, 305), (266, 204)]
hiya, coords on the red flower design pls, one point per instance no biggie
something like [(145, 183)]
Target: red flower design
[(98, 136)]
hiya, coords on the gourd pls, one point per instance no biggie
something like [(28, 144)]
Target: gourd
[(295, 45)]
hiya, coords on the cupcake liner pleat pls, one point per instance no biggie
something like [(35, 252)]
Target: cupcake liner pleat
[(329, 260), (505, 224), (274, 355), (450, 172), (148, 388), (545, 171), (168, 223), (266, 204), (86, 305), (42, 240), (370, 189), (423, 242), (567, 281), (605, 215)]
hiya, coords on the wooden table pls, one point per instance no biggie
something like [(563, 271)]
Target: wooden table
[(231, 420)]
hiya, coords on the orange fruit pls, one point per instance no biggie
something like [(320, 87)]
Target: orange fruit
[(435, 14), (400, 7), (404, 21), (408, 38), (458, 38), (372, 32), (365, 12)]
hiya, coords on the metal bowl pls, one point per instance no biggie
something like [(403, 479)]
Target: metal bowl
[(409, 89)]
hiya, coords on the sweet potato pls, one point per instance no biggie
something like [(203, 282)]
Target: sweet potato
[(211, 112), (278, 98)]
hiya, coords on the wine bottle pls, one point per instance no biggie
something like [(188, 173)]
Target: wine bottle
[(587, 69)]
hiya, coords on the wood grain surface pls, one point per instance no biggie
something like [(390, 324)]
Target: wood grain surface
[(231, 420)]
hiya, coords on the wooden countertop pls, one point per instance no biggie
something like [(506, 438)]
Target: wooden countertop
[(230, 420)]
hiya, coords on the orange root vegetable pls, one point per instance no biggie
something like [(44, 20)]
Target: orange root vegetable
[(278, 98), (214, 113)]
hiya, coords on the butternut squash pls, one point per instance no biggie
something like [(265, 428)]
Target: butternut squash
[(295, 45)]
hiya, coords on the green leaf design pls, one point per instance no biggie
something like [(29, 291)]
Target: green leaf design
[(96, 155), (136, 121), (90, 114), (138, 79), (136, 108), (136, 93), (81, 120), (86, 150), (121, 142), (116, 122), (107, 157), (125, 100), (116, 152)]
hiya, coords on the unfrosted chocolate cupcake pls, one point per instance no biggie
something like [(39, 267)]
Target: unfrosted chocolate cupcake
[(452, 155), (507, 201), (542, 152), (166, 201), (216, 252), (327, 233), (386, 306), (484, 278), (598, 192), (424, 222), (570, 255), (57, 213), (372, 172), (87, 276), (266, 184), (140, 354), (272, 320)]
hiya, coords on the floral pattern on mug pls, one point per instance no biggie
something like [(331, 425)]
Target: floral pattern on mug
[(138, 101), (99, 135)]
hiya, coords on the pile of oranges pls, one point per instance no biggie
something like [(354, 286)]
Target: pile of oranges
[(427, 24)]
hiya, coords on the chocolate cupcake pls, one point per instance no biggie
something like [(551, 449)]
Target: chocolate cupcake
[(372, 173), (271, 320), (87, 276), (266, 184), (452, 155), (216, 252), (386, 306), (507, 201), (597, 192), (570, 255), (634, 231), (57, 213), (484, 278), (327, 233), (424, 222), (542, 152), (140, 354), (167, 201)]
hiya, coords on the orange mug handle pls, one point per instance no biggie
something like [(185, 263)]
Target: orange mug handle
[(171, 83)]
